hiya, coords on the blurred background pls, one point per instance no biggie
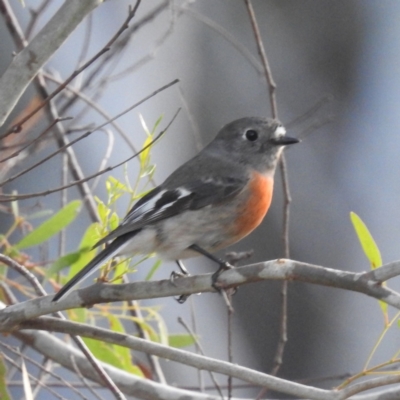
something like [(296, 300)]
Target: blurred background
[(343, 55)]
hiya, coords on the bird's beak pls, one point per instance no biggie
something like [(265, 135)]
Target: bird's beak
[(283, 141)]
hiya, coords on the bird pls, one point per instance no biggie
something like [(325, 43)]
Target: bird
[(210, 202)]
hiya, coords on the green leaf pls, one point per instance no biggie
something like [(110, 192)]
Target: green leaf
[(89, 239), (153, 270), (153, 335), (158, 122), (111, 355), (144, 156), (114, 221), (4, 395), (120, 270), (123, 353), (52, 226), (161, 326), (103, 351), (148, 170), (64, 261), (115, 189), (367, 241), (370, 250), (103, 211), (181, 340), (78, 315)]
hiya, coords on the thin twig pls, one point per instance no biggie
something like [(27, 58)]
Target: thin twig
[(133, 385), (12, 197), (12, 24), (79, 342), (37, 139), (79, 374), (17, 366), (27, 63), (38, 365), (230, 343), (69, 144), (278, 359), (18, 126), (106, 157), (59, 131), (95, 107), (122, 42), (264, 59), (242, 49), (35, 14), (201, 351), (317, 106), (86, 41), (136, 312), (184, 357)]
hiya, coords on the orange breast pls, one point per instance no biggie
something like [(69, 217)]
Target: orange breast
[(253, 211)]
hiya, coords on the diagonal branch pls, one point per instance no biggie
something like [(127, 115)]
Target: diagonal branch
[(70, 358), (78, 341), (26, 64), (181, 356)]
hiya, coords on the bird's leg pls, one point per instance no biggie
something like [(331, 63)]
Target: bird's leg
[(182, 267), (223, 265), (184, 272)]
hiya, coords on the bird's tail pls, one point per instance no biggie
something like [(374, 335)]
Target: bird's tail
[(109, 252)]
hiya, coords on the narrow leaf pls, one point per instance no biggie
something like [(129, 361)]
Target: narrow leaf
[(372, 252), (123, 353), (103, 351), (52, 226), (89, 239), (4, 395), (64, 261), (367, 241), (181, 340), (153, 270)]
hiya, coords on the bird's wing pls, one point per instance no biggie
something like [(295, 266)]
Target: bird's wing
[(162, 202)]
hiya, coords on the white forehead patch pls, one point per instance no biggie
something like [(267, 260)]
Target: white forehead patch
[(280, 131)]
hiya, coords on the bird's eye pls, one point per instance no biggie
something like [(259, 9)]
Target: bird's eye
[(251, 135)]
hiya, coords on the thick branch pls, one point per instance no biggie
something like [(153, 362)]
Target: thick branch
[(281, 269), (182, 357), (67, 356), (28, 61)]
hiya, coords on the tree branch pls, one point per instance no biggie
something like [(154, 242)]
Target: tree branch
[(180, 356), (67, 356), (105, 379), (28, 61), (281, 269)]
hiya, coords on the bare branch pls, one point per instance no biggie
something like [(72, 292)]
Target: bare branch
[(202, 362), (183, 357), (130, 384), (264, 59), (26, 64), (6, 198), (281, 269), (79, 342)]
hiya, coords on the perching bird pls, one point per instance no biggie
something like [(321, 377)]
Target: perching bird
[(210, 202)]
